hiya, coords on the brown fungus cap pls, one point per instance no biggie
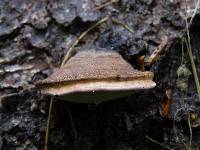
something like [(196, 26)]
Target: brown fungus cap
[(96, 76)]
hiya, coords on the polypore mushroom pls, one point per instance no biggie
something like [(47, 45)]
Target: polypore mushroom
[(95, 76)]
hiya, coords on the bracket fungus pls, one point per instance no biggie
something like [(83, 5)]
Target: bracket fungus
[(95, 76)]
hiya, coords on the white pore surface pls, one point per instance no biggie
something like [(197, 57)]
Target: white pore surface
[(93, 86)]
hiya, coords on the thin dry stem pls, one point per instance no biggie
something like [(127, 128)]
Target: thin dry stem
[(71, 49), (124, 25), (106, 4), (190, 129), (48, 124), (182, 51), (191, 56), (154, 141)]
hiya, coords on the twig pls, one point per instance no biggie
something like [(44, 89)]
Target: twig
[(190, 129), (48, 124), (124, 25), (164, 44), (71, 49), (73, 126), (154, 141), (106, 4), (167, 105), (182, 51), (189, 123), (191, 57)]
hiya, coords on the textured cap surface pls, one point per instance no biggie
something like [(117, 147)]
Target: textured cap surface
[(92, 65)]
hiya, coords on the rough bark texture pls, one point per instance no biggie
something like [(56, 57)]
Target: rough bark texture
[(35, 35)]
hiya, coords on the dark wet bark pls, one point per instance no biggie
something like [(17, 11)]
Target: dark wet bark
[(35, 35)]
